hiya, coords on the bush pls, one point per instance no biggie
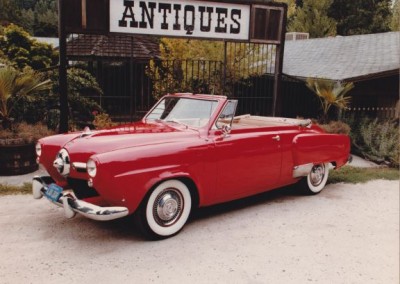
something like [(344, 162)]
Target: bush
[(44, 107), (376, 140), (24, 133), (336, 127), (103, 120)]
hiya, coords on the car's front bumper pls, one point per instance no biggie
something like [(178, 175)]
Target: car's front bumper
[(72, 205)]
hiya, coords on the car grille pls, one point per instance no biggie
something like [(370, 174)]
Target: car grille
[(81, 188)]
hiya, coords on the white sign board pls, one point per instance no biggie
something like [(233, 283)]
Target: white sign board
[(194, 19)]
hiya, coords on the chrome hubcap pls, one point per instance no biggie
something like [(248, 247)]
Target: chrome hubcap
[(168, 207), (317, 175)]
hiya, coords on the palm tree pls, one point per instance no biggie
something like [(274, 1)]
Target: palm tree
[(330, 93), (15, 85)]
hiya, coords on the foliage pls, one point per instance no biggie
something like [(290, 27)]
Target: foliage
[(330, 93), (45, 18), (336, 127), (83, 91), (16, 85), (44, 107), (376, 140), (313, 18), (205, 59), (395, 22), (38, 17), (9, 12), (102, 120), (291, 9), (361, 16), (24, 133), (20, 49), (350, 174), (6, 189)]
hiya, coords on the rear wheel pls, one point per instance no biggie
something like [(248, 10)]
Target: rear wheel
[(165, 211), (316, 180)]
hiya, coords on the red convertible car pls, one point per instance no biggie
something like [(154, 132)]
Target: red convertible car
[(189, 151)]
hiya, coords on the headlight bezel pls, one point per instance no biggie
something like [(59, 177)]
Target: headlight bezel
[(62, 162), (91, 167), (38, 149)]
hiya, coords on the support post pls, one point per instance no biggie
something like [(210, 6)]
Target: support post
[(225, 66), (62, 69), (277, 95)]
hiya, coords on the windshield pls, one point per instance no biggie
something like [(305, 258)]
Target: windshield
[(190, 112)]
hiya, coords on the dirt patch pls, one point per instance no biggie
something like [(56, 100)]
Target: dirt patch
[(346, 234)]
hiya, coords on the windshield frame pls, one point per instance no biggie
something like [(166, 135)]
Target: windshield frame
[(210, 119)]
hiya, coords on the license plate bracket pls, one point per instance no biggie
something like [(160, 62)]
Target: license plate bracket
[(53, 192)]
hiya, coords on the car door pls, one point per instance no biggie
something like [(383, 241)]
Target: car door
[(247, 162)]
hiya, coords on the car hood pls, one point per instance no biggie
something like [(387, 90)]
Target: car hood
[(126, 136)]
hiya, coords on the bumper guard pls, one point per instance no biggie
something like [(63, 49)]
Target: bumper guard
[(72, 205)]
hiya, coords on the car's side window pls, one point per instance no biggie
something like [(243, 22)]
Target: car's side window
[(227, 115)]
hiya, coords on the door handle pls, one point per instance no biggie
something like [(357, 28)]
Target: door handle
[(276, 138)]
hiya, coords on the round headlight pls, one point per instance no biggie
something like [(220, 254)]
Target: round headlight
[(91, 168), (62, 162), (38, 149)]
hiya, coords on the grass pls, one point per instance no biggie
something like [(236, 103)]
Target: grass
[(350, 174), (6, 189), (345, 174)]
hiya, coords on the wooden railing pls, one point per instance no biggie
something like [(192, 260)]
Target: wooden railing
[(373, 112)]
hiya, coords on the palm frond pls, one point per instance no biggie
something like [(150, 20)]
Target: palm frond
[(330, 92)]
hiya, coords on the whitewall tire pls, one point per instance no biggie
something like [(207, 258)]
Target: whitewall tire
[(166, 210), (316, 180)]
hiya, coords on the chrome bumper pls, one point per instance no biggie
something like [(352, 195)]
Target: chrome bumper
[(72, 205)]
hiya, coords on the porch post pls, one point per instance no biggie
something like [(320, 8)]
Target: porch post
[(62, 69)]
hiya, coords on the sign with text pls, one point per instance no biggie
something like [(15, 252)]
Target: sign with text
[(194, 19)]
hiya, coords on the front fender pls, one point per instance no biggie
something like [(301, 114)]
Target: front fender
[(125, 176)]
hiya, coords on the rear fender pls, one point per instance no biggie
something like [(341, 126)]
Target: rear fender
[(316, 148)]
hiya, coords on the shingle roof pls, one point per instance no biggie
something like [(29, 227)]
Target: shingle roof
[(113, 46), (349, 58)]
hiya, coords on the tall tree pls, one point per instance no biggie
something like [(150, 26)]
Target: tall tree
[(361, 16), (9, 12), (395, 23), (291, 8), (313, 18), (45, 18)]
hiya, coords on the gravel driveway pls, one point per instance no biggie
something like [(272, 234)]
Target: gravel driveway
[(346, 234)]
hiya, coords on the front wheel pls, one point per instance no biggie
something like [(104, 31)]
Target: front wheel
[(165, 211), (316, 180)]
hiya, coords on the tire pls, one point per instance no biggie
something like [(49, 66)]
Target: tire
[(165, 210), (316, 180)]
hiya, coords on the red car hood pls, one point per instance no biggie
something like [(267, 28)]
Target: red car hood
[(132, 135)]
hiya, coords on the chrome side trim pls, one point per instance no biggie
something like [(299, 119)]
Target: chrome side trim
[(72, 205), (302, 170), (79, 165)]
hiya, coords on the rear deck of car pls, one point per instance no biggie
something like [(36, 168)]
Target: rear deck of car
[(250, 121)]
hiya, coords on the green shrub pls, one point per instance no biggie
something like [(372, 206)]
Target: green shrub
[(376, 140)]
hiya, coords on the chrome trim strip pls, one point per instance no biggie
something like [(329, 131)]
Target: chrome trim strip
[(79, 165), (302, 170), (73, 205)]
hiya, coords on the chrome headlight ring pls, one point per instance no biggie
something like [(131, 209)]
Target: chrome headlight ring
[(91, 168), (62, 163), (38, 149)]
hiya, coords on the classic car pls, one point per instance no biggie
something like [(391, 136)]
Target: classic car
[(188, 151)]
